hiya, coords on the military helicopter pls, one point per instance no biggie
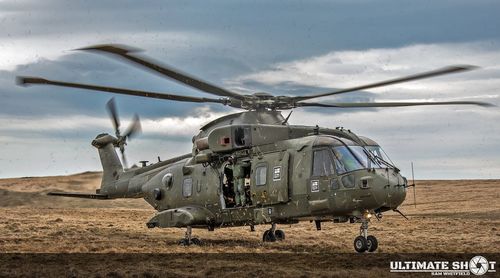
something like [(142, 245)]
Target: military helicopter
[(253, 167)]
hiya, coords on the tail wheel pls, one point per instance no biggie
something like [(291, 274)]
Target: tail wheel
[(196, 241), (372, 243), (186, 242), (360, 244)]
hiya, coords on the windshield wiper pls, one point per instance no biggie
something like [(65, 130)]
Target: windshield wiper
[(380, 160)]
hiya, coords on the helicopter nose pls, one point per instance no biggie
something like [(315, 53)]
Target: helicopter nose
[(390, 191), (397, 190)]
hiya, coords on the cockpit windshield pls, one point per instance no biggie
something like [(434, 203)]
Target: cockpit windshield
[(353, 158), (379, 152)]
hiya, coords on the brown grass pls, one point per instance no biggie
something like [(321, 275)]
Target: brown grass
[(451, 217)]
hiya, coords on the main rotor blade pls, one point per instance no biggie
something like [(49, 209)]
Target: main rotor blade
[(114, 116), (443, 71), (24, 81), (125, 52), (390, 104)]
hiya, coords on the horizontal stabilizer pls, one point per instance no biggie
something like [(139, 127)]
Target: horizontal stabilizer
[(79, 195)]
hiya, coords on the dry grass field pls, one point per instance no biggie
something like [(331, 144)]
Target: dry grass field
[(451, 217)]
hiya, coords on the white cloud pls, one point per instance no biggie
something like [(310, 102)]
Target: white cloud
[(178, 126), (168, 126), (53, 123)]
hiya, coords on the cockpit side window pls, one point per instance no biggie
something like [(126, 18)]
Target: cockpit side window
[(345, 160), (322, 163)]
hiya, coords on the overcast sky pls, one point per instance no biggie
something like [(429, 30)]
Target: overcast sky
[(288, 48)]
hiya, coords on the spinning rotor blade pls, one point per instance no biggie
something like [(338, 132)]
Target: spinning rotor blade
[(114, 116), (124, 159), (134, 128), (25, 81), (446, 70), (389, 104), (125, 52)]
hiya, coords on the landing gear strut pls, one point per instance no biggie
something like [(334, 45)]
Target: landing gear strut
[(188, 239), (364, 242), (273, 235)]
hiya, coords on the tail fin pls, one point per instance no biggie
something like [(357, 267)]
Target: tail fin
[(111, 185), (111, 165)]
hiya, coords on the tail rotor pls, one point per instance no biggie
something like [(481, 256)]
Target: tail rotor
[(133, 129)]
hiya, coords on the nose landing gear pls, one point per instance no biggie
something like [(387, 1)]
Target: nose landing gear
[(364, 242)]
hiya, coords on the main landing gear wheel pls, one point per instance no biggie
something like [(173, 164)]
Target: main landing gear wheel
[(269, 236), (360, 244), (273, 235), (372, 243), (280, 235)]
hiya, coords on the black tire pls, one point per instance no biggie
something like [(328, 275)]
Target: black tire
[(183, 242), (264, 236), (196, 241), (360, 244), (268, 236), (372, 243), (279, 234)]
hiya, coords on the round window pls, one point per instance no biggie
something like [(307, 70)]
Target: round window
[(167, 180)]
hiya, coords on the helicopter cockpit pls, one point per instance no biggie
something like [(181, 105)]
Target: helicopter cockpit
[(349, 156), (342, 164)]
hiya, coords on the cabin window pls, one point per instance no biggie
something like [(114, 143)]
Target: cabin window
[(187, 187), (260, 175), (322, 163), (348, 181), (242, 136), (167, 180)]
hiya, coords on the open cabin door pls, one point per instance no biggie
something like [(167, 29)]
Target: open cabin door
[(270, 178)]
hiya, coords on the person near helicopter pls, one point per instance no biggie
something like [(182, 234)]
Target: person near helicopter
[(239, 182), (228, 182)]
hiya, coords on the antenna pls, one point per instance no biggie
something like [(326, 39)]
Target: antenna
[(414, 187)]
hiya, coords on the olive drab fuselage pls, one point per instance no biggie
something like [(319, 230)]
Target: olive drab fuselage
[(293, 170)]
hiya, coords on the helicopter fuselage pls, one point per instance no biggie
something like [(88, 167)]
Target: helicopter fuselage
[(283, 188), (290, 174)]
